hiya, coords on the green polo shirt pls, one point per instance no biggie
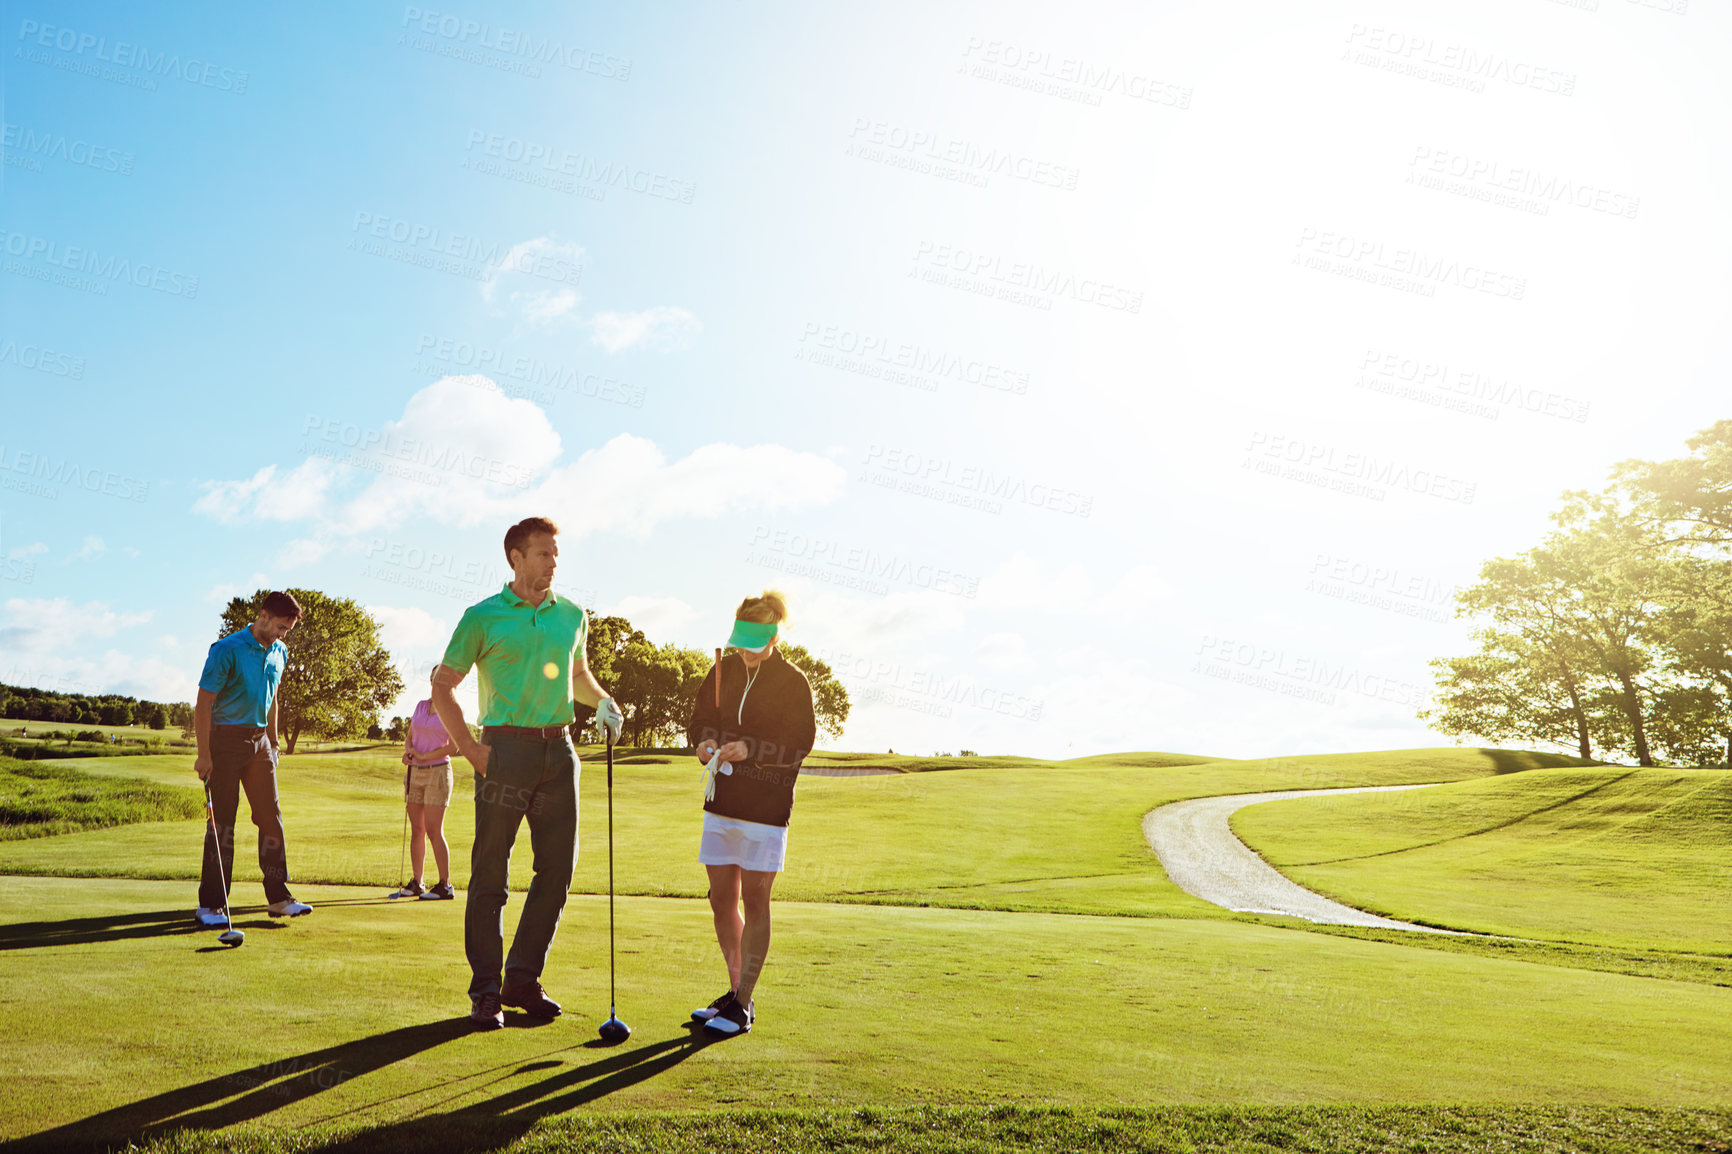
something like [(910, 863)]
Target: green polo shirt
[(523, 653)]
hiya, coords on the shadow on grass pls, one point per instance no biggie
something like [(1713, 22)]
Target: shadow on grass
[(482, 1123), (155, 924)]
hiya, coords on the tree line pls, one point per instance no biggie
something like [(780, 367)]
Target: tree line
[(1612, 638), (24, 703)]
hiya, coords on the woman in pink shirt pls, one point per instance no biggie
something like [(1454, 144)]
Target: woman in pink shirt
[(427, 751)]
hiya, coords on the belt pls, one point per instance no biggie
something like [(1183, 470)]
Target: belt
[(541, 733), (432, 764)]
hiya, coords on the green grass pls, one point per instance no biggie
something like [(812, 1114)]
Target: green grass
[(1612, 856), (347, 1016), (986, 1130), (1051, 837), (43, 799), (977, 959)]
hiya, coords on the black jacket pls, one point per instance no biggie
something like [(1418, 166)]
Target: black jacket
[(775, 720)]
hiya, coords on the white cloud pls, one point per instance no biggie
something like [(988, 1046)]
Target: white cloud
[(223, 592), (544, 267), (92, 548), (298, 494), (40, 625), (661, 327), (539, 306), (302, 551), (464, 453), (24, 552), (663, 619), (227, 501)]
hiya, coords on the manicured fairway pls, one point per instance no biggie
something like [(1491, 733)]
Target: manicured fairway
[(348, 1014), (1617, 856), (963, 960), (1047, 836)]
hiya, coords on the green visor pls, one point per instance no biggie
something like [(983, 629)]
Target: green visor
[(753, 635)]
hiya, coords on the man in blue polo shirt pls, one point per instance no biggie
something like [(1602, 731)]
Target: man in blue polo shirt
[(527, 643), (236, 722)]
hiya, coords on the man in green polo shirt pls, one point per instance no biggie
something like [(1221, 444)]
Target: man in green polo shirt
[(528, 645)]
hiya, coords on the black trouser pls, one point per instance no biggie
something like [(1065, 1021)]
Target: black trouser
[(533, 779), (242, 758)]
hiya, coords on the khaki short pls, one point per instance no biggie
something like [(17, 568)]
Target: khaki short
[(429, 785)]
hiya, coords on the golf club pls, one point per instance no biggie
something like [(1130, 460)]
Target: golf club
[(613, 1030), (403, 843), (230, 936)]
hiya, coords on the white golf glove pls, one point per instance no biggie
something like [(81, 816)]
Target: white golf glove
[(608, 716)]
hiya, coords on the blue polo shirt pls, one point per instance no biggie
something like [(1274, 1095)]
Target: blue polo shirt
[(244, 675)]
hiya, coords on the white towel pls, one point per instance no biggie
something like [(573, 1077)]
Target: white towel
[(716, 765)]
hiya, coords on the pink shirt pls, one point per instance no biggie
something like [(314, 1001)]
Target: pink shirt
[(426, 731)]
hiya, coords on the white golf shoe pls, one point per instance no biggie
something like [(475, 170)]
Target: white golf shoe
[(208, 917), (288, 909)]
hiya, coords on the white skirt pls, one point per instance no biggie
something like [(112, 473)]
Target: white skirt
[(750, 845)]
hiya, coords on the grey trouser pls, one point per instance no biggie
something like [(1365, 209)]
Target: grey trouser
[(534, 778), (242, 758)]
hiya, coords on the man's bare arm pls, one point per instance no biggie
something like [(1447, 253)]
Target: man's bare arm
[(271, 722), (445, 680), (201, 763)]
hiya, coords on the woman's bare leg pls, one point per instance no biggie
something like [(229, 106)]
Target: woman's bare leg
[(417, 825), (755, 933), (725, 907), (434, 821)]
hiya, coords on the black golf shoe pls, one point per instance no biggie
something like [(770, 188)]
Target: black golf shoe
[(485, 1014), (439, 893), (531, 999), (713, 1008), (731, 1019)]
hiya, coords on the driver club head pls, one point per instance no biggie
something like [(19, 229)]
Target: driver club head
[(231, 937), (613, 1031)]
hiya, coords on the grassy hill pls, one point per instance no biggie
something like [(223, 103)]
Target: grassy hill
[(1611, 855)]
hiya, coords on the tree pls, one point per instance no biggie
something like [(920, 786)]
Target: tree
[(656, 686), (1516, 688), (829, 696), (155, 716), (398, 729), (338, 674), (116, 713), (1693, 494)]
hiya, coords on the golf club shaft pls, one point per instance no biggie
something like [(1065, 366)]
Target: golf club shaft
[(612, 994), (216, 835)]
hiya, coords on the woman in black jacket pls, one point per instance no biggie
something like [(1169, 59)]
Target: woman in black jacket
[(751, 734)]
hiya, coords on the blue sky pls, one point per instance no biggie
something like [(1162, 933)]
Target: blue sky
[(1131, 377)]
